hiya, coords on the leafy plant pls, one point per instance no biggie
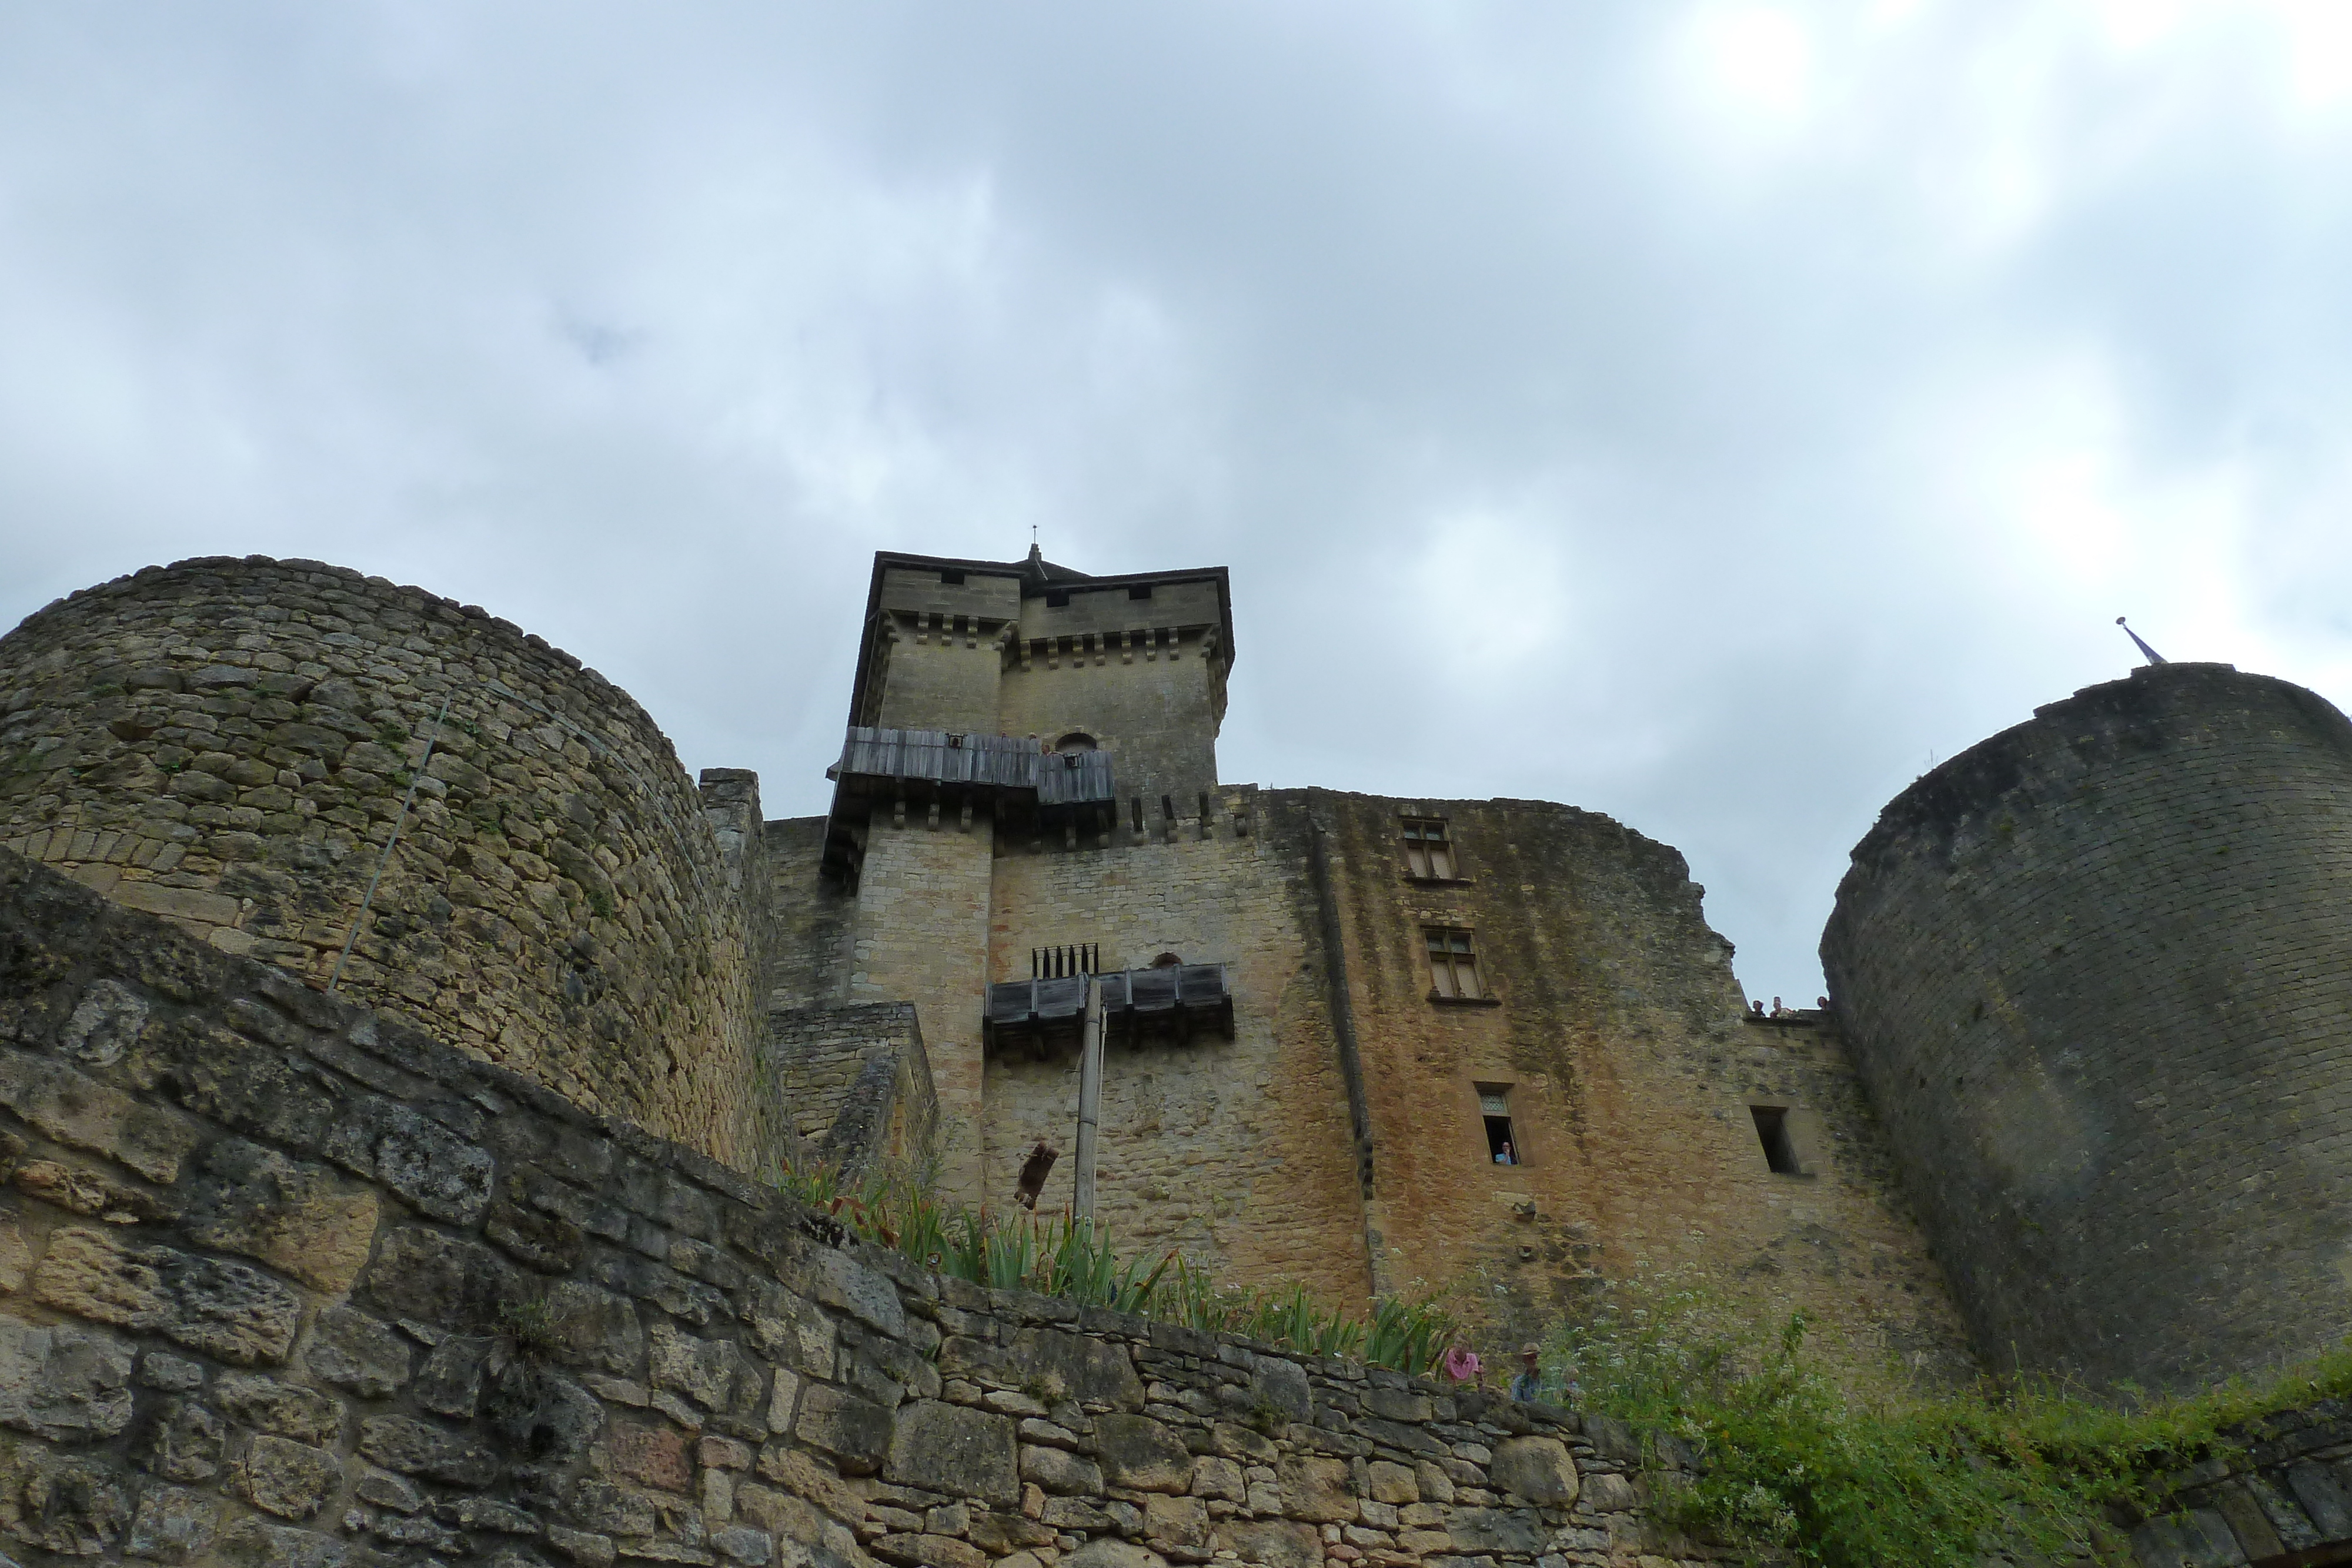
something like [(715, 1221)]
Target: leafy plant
[(1794, 1466), (1056, 1255)]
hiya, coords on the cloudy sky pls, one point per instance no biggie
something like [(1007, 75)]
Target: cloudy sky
[(1708, 413)]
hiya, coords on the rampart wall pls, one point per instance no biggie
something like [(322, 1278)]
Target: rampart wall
[(1609, 1027), (2097, 971), (284, 1285), (228, 742), (1234, 1151), (855, 1082)]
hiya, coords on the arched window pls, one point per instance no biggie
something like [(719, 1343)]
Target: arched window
[(1167, 961), (1076, 740)]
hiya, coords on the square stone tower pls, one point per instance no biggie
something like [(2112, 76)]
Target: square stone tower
[(1001, 703)]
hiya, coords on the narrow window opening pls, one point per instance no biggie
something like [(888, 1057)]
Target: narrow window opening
[(1140, 591), (951, 577), (1058, 600), (1428, 851), (1168, 807), (1136, 803), (1453, 966), (1495, 1110), (1772, 1131)]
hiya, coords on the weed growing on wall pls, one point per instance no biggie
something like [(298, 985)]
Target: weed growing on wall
[(1793, 1465), (1054, 1255)]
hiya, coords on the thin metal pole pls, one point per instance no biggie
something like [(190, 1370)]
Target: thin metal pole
[(385, 859), (1090, 1071)]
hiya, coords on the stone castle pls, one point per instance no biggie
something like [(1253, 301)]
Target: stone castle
[(2080, 1104)]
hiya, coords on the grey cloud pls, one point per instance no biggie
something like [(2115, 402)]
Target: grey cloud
[(1572, 430)]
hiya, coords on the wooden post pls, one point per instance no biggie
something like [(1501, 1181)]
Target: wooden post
[(1090, 1071)]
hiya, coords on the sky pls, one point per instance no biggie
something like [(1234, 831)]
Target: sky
[(1709, 413)]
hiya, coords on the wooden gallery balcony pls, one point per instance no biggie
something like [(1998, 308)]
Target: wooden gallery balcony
[(1043, 1019), (942, 777)]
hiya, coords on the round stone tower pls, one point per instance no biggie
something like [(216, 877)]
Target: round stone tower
[(2097, 973), (228, 742)]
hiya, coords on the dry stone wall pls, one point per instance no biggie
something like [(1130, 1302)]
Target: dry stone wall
[(228, 742), (2097, 971), (284, 1285)]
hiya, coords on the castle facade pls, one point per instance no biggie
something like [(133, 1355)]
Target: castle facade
[(1363, 1044)]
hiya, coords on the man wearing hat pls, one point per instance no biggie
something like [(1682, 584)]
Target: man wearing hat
[(1528, 1386)]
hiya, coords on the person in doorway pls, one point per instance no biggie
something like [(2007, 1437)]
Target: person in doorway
[(1460, 1363), (1528, 1386)]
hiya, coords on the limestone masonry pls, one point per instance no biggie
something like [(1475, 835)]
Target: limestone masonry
[(2091, 977)]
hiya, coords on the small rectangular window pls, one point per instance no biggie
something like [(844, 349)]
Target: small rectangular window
[(1427, 851), (1772, 1131), (1059, 599), (1453, 966), (951, 577), (1140, 591), (1494, 1109)]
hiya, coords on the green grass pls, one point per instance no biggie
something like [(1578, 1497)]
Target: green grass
[(1054, 1255), (1794, 1466)]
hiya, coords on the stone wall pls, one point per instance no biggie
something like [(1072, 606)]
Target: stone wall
[(1235, 1151), (2098, 973), (228, 742), (853, 1080), (811, 919), (1144, 678), (921, 935), (1611, 1028), (284, 1285)]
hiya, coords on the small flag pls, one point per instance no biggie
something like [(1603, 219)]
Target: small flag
[(2153, 656)]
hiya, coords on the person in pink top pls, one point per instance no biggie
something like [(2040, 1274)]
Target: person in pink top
[(1461, 1363)]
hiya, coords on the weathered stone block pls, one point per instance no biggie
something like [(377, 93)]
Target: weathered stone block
[(1060, 1472), (1213, 1477), (81, 1111), (1537, 1469), (1318, 1488), (998, 1533), (1108, 1552), (955, 1450), (72, 1504), (1273, 1542), (354, 1350), (65, 1383), (919, 1551), (435, 1278), (1392, 1483), (182, 1440), (1607, 1492), (1137, 1452), (1176, 1522), (254, 1544), (841, 1281), (592, 1327), (714, 1374), (300, 1219), (1280, 1385), (292, 1480), (412, 1448), (223, 1308), (288, 1409), (1075, 1367), (1516, 1531), (854, 1432), (174, 1524), (104, 1024), (660, 1456)]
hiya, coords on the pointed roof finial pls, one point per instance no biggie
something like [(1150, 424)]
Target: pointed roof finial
[(2153, 656)]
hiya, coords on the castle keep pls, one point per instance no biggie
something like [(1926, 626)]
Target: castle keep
[(1357, 1042)]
